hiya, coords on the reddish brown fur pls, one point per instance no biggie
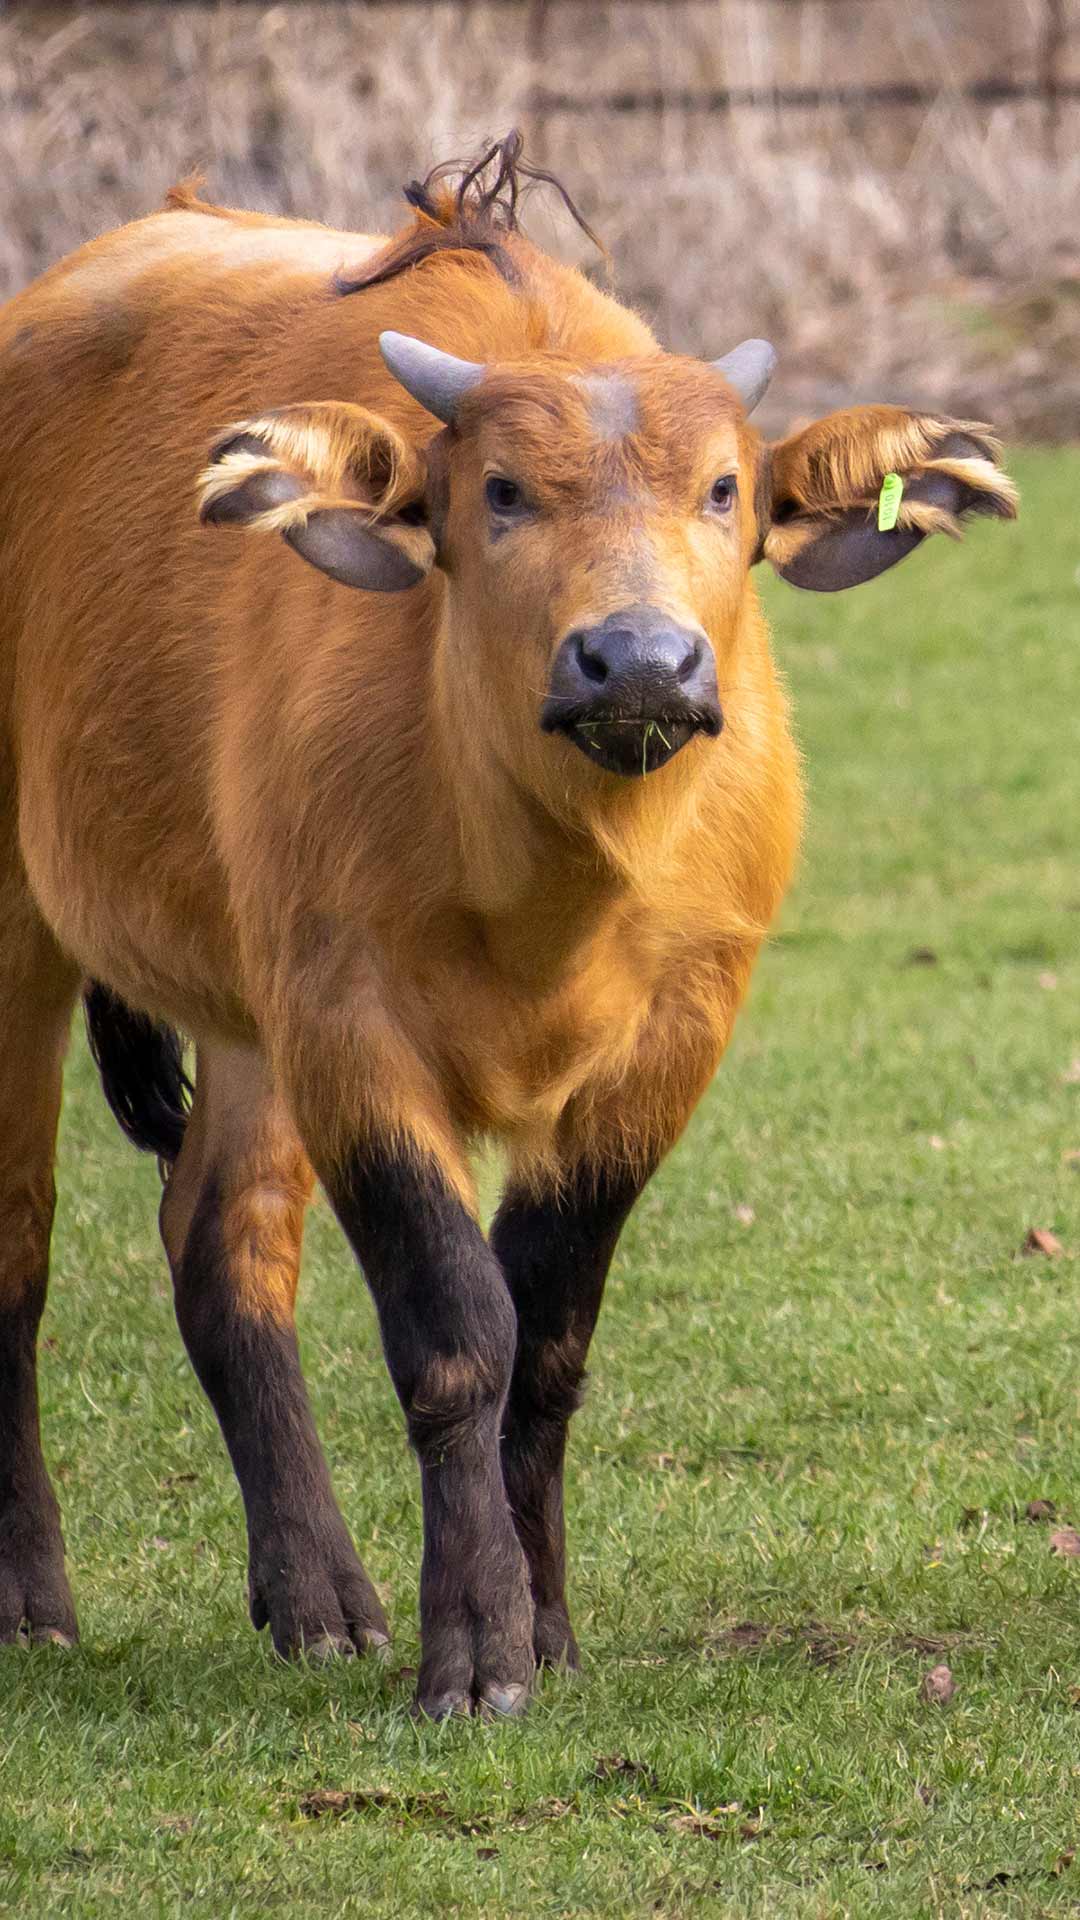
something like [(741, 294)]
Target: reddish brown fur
[(323, 831), (191, 819), (240, 1137), (272, 810)]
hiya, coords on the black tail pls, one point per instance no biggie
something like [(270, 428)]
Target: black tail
[(141, 1063)]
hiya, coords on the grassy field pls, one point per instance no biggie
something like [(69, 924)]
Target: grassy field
[(825, 1390)]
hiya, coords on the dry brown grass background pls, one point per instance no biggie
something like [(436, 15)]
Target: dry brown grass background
[(930, 254)]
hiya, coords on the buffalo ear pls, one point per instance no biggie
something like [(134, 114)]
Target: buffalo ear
[(339, 484), (822, 489)]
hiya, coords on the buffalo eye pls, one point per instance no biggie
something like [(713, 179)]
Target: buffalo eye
[(722, 495), (501, 494)]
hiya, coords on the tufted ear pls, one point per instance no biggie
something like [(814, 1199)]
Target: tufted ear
[(338, 483), (819, 497)]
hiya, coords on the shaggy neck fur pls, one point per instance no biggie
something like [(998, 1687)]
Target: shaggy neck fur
[(550, 856)]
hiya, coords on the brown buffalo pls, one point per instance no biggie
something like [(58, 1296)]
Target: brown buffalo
[(470, 827)]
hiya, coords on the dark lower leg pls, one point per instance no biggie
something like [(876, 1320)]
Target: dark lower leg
[(305, 1579), (34, 1594), (448, 1331), (555, 1253)]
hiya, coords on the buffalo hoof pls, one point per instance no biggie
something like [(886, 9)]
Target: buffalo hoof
[(494, 1703), (553, 1640), (47, 1637), (315, 1597), (502, 1703), (329, 1647), (36, 1607), (451, 1705)]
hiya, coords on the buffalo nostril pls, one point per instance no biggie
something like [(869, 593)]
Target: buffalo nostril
[(689, 666), (592, 665)]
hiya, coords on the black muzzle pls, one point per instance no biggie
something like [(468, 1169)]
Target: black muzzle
[(633, 690)]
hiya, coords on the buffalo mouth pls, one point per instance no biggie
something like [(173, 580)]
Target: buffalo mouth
[(630, 745)]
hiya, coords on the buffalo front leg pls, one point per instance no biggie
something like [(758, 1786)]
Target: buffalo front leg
[(448, 1330), (35, 1011), (232, 1220), (555, 1251)]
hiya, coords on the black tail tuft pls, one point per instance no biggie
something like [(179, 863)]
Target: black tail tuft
[(141, 1063)]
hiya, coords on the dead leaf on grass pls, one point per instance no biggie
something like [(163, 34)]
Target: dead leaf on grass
[(938, 1686), (336, 1800), (711, 1825), (325, 1800), (619, 1766), (701, 1824), (537, 1814), (1066, 1543), (174, 1822), (928, 1643), (1041, 1240), (1037, 1510), (430, 1809), (746, 1637), (1064, 1861), (403, 1807), (1071, 1075), (744, 1215), (828, 1649), (1048, 981)]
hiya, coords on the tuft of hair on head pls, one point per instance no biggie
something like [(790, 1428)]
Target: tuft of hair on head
[(187, 195), (467, 208), (490, 189)]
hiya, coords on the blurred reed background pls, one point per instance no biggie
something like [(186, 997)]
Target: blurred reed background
[(889, 188)]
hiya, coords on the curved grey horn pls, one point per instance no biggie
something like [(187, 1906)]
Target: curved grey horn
[(748, 368), (438, 380)]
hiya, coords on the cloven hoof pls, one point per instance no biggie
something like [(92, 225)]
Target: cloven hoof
[(46, 1637), (328, 1648), (494, 1703), (501, 1703)]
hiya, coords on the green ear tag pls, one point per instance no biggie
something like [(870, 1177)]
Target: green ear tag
[(888, 506)]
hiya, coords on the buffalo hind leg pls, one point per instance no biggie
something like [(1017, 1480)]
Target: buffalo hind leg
[(448, 1331), (232, 1222), (555, 1251), (37, 991)]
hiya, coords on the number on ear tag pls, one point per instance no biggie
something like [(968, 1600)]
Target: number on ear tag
[(888, 506)]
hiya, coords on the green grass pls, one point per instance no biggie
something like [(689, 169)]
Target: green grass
[(788, 1420)]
